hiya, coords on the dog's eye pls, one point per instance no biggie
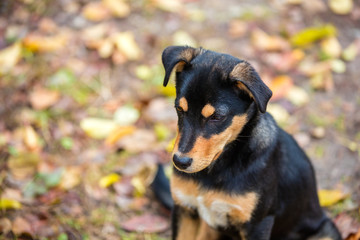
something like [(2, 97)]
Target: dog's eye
[(179, 109), (216, 117)]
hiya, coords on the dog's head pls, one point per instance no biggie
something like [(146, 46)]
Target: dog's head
[(214, 94)]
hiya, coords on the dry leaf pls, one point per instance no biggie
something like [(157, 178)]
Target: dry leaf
[(331, 47), (280, 85), (279, 113), (297, 96), (95, 11), (168, 5), (126, 44), (39, 43), (119, 133), (42, 98), (23, 164), (126, 115), (147, 223), (21, 225), (330, 197), (118, 8), (31, 138), (237, 28), (105, 48), (109, 180), (98, 128), (183, 38), (9, 57), (341, 7), (9, 204), (338, 66), (264, 42), (71, 177), (312, 34), (5, 225), (350, 52)]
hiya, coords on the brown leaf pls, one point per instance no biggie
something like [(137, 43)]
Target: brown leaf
[(348, 226), (39, 43), (21, 225), (264, 42), (237, 28), (42, 98), (280, 85), (96, 11), (147, 223)]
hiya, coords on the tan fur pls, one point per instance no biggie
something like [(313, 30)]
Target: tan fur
[(186, 187), (188, 228), (242, 70), (206, 232), (205, 151), (183, 104), (207, 110)]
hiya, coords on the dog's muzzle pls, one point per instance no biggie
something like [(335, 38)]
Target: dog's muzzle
[(182, 163)]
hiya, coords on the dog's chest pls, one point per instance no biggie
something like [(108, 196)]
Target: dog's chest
[(218, 209)]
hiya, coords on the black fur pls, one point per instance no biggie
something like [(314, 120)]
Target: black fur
[(263, 159)]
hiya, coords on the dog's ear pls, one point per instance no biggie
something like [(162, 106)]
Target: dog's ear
[(174, 55), (248, 79)]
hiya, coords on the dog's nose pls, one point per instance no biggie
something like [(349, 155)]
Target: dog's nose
[(182, 162)]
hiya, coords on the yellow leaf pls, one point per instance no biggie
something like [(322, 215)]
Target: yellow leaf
[(310, 35), (97, 127), (70, 177), (9, 204), (126, 44), (109, 180), (118, 133), (9, 57), (350, 52), (118, 8), (184, 38), (331, 47), (31, 138), (38, 43), (168, 5), (139, 186), (171, 145), (330, 197), (168, 91), (341, 7), (95, 11)]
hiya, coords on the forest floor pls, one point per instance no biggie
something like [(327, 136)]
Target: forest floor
[(84, 119)]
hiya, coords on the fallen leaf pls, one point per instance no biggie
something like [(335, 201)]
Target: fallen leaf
[(118, 8), (297, 96), (21, 225), (5, 225), (39, 43), (31, 138), (141, 140), (96, 11), (350, 52), (280, 85), (160, 110), (279, 113), (71, 177), (147, 223), (118, 133), (126, 44), (338, 66), (312, 34), (348, 226), (126, 115), (9, 57), (109, 180), (341, 7), (183, 38), (264, 42), (9, 204), (42, 98), (237, 28), (322, 81), (331, 47), (105, 48), (23, 164), (168, 5), (330, 197), (98, 128)]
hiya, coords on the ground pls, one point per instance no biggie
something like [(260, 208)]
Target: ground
[(84, 118)]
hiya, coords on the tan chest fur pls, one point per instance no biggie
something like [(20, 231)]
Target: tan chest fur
[(214, 207)]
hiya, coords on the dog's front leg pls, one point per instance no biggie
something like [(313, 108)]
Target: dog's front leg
[(185, 224), (260, 231)]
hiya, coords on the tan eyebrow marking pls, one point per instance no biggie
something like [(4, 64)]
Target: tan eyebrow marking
[(183, 104), (207, 110)]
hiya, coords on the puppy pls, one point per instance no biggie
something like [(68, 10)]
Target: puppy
[(237, 175)]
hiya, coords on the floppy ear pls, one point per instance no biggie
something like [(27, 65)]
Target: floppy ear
[(248, 80), (174, 55)]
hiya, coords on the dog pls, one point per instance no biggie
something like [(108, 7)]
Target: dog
[(236, 174)]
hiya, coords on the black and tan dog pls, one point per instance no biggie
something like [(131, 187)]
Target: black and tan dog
[(237, 175)]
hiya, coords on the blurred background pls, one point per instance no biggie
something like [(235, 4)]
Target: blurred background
[(84, 119)]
